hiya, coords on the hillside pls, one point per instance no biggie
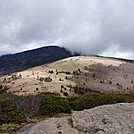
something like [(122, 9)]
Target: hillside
[(74, 75), (60, 88), (24, 60)]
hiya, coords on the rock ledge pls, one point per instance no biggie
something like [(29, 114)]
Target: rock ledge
[(107, 119)]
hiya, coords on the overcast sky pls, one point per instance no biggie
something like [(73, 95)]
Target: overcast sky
[(104, 27)]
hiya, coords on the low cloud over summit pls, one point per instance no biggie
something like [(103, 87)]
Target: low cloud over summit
[(89, 26)]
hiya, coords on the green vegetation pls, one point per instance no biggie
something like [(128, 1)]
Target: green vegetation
[(77, 72), (46, 79), (94, 99), (79, 90), (53, 103), (64, 72), (17, 109), (51, 71), (9, 112)]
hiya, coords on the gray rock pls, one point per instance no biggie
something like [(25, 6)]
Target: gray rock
[(107, 119)]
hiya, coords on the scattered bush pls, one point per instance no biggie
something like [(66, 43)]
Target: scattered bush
[(93, 75), (101, 81), (68, 73), (82, 90), (62, 86), (61, 91), (42, 79), (66, 77), (76, 72), (110, 82), (79, 70), (51, 71), (37, 88), (48, 79), (60, 79), (65, 93), (117, 84)]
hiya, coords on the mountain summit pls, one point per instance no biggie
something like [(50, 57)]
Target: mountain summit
[(24, 60)]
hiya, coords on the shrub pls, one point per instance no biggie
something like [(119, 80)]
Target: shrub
[(76, 72), (66, 77), (53, 103), (68, 73), (2, 89), (51, 71), (93, 75), (48, 79), (15, 108), (62, 86), (17, 117), (93, 99), (97, 99), (110, 82), (9, 112), (61, 91), (60, 79), (65, 93), (78, 103), (117, 84), (37, 88), (79, 90), (41, 78), (101, 81)]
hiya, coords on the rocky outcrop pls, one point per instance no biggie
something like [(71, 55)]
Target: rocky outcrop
[(51, 126), (108, 119)]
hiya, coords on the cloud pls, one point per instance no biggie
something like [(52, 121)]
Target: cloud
[(114, 51), (88, 26)]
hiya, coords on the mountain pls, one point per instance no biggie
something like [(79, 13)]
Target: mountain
[(74, 83), (24, 60), (21, 61), (78, 74)]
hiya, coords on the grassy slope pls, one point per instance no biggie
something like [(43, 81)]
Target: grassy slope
[(107, 70)]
